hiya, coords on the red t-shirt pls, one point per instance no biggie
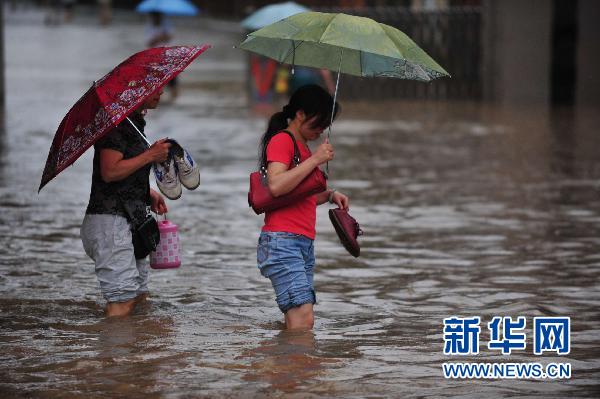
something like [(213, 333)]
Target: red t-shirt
[(300, 217)]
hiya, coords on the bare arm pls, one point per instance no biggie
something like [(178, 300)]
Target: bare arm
[(341, 200), (323, 197), (158, 204), (283, 180), (328, 80), (114, 168)]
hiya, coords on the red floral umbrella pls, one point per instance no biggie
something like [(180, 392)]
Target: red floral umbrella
[(111, 99)]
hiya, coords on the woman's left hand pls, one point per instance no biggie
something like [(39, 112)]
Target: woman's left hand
[(341, 200), (158, 204)]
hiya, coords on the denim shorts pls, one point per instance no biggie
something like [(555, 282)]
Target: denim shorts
[(288, 260), (107, 240)]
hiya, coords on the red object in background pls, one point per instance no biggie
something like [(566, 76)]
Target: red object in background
[(111, 99), (262, 74)]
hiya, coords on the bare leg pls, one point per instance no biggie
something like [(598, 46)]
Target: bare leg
[(141, 298), (124, 308), (120, 308), (105, 13), (300, 318)]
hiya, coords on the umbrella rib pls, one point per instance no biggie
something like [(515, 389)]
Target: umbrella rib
[(360, 55), (294, 48), (423, 70), (327, 28)]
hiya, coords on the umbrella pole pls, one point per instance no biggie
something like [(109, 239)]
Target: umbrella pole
[(337, 82), (138, 130)]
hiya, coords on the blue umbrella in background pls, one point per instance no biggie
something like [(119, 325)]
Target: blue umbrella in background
[(272, 13), (168, 7)]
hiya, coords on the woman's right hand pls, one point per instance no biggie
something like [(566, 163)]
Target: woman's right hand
[(159, 151), (324, 152)]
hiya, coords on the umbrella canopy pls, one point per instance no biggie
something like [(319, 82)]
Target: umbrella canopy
[(344, 43), (111, 99), (169, 7), (272, 13)]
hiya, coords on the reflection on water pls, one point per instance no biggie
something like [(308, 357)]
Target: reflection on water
[(467, 210), (124, 345), (2, 136), (286, 361)]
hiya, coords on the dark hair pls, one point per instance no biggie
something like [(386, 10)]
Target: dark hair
[(313, 100)]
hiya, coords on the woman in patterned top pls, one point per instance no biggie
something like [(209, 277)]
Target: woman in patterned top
[(119, 198)]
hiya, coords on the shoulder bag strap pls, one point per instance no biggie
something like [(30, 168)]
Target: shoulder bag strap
[(295, 160)]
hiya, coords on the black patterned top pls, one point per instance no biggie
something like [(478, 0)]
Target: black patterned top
[(133, 191)]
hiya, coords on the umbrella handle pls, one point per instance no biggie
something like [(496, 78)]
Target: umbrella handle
[(138, 130)]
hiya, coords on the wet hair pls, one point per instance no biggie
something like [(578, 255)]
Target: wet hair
[(316, 103)]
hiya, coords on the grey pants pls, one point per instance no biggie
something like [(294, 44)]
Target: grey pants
[(107, 240)]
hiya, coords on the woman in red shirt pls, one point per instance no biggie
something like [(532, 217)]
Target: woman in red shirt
[(285, 252)]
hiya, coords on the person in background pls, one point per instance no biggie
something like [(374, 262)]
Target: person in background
[(285, 252), (262, 73), (68, 7), (52, 15), (119, 198), (159, 32), (305, 76), (104, 12)]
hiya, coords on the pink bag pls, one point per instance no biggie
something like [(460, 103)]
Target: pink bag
[(167, 254)]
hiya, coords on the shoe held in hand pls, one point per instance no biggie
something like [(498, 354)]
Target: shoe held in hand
[(167, 180), (347, 229), (187, 169)]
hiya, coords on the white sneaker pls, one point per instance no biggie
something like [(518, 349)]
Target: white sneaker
[(166, 179), (187, 169)]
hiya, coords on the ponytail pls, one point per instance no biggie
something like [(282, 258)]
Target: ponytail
[(277, 123), (313, 100)]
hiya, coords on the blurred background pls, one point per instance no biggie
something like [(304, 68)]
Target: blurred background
[(478, 195), (502, 51)]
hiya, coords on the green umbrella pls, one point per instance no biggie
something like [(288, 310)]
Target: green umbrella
[(344, 43), (355, 45)]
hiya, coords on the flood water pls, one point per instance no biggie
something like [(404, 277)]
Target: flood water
[(467, 210)]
